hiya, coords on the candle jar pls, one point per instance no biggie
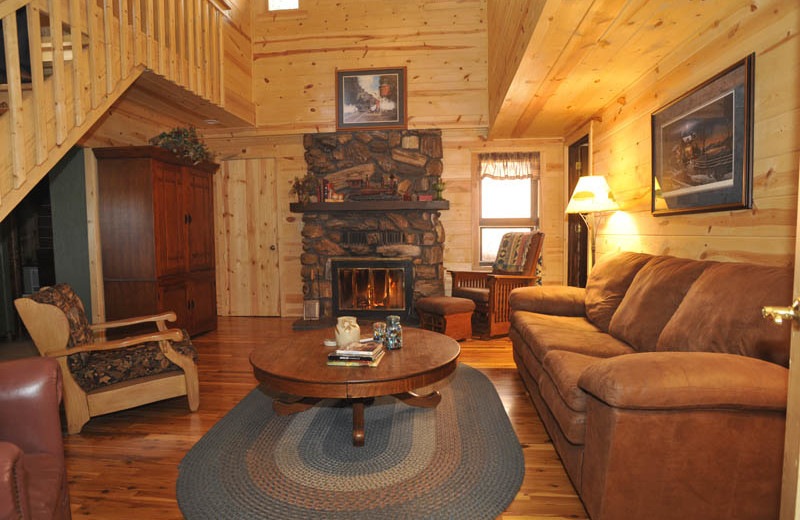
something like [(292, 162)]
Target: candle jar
[(379, 331), (394, 333)]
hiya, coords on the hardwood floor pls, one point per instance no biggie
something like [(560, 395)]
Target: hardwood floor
[(124, 465)]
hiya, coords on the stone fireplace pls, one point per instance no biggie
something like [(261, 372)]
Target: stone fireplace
[(381, 248)]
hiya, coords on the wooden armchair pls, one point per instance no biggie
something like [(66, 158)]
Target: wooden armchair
[(490, 290), (101, 377)]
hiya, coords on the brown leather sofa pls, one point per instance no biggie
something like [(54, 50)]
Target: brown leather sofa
[(661, 385), (33, 480)]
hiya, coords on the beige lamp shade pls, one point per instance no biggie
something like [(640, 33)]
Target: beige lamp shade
[(591, 195)]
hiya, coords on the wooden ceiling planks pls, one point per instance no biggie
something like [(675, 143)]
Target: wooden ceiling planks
[(583, 55)]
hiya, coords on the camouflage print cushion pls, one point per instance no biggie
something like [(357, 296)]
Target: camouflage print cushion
[(107, 367), (62, 296)]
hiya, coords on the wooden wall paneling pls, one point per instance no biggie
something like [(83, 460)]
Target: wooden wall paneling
[(443, 44), (622, 150), (108, 20), (247, 238), (162, 37), (124, 40)]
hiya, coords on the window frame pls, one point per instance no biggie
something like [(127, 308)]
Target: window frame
[(479, 222)]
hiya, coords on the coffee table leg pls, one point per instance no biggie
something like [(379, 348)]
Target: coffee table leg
[(358, 423), (424, 401), (285, 407)]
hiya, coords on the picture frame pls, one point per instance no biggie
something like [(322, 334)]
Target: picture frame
[(702, 146), (371, 99)]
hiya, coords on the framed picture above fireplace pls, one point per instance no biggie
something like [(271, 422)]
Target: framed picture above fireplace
[(702, 146), (371, 99)]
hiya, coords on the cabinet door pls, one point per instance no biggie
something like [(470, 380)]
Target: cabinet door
[(203, 302), (174, 296), (170, 218), (200, 207)]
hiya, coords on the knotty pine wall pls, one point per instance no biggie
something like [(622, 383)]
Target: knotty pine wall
[(444, 46), (621, 146)]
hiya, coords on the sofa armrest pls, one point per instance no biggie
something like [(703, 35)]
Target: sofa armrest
[(30, 392), (687, 380), (560, 300), (13, 494)]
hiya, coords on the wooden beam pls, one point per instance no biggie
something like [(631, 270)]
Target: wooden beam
[(91, 31), (93, 228), (14, 80), (162, 39), (76, 37), (58, 70), (37, 83), (108, 15), (150, 30), (124, 64)]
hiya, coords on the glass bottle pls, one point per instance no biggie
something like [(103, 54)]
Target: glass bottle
[(379, 332), (394, 333)]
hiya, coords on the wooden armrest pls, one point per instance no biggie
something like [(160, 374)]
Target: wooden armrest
[(133, 341), (513, 277), (468, 273), (164, 316)]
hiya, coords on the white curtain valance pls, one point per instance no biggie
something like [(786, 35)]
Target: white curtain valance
[(515, 165)]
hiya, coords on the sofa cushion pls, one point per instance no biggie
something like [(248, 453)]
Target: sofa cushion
[(722, 313), (541, 338), (107, 367), (523, 319), (571, 423), (652, 298), (557, 300), (476, 294), (564, 369), (607, 284)]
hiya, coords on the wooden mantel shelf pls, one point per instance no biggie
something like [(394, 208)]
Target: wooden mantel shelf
[(369, 205)]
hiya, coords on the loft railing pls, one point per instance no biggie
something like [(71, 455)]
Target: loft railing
[(67, 61)]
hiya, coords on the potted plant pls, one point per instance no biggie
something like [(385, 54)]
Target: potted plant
[(439, 187), (185, 143), (304, 187)]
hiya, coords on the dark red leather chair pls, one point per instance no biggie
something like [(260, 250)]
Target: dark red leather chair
[(33, 480)]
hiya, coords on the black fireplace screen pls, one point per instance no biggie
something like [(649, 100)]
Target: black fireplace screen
[(372, 288)]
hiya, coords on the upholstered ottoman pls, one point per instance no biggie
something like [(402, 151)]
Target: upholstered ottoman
[(447, 315)]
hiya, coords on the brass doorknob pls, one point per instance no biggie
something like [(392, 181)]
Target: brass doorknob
[(778, 314)]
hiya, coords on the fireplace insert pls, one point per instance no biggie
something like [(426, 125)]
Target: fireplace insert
[(372, 288)]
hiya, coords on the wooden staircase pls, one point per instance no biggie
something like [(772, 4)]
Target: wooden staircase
[(83, 55)]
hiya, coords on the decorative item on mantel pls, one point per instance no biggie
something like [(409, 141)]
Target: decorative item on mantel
[(185, 143), (305, 188)]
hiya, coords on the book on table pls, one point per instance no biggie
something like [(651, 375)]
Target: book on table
[(368, 349), (364, 362)]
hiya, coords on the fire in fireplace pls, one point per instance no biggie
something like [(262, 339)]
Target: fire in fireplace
[(372, 288)]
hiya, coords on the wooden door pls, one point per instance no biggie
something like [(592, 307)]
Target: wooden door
[(200, 212), (790, 494), (174, 297), (170, 219), (202, 302), (246, 216), (577, 236)]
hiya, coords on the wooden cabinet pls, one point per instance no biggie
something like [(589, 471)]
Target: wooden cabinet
[(157, 235)]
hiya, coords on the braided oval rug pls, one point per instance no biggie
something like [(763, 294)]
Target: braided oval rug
[(460, 460)]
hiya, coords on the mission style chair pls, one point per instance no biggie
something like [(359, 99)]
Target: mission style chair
[(514, 267), (101, 377)]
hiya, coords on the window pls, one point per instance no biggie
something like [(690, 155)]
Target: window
[(282, 5), (509, 198)]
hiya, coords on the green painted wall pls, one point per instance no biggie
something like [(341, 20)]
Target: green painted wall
[(70, 234)]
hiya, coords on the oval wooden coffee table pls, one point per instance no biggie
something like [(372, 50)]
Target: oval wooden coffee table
[(296, 365)]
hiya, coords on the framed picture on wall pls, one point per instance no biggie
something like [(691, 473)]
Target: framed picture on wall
[(702, 146), (371, 99)]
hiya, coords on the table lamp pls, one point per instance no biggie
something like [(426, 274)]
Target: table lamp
[(591, 195)]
